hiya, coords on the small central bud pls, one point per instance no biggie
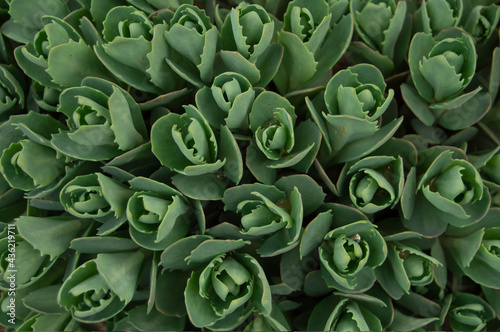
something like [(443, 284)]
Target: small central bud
[(284, 203), (403, 254), (356, 237)]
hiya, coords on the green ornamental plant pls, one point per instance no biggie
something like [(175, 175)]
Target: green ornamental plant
[(258, 165)]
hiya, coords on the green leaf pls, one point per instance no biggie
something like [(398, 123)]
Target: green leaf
[(230, 151), (172, 283), (312, 194), (44, 300), (50, 236), (154, 320), (315, 232), (121, 272), (199, 309), (102, 244), (202, 187), (467, 114), (364, 146), (173, 258), (298, 65), (237, 63), (208, 249), (81, 62), (418, 105), (405, 322)]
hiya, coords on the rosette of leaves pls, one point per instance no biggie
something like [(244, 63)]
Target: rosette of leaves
[(373, 183), (96, 196), (187, 145), (101, 288), (104, 121), (59, 57), (157, 214), (313, 44), (468, 312), (406, 266), (444, 189), (12, 97), (25, 17), (224, 293), (40, 241), (441, 68), (349, 249), (195, 41), (227, 102), (436, 15), (223, 286), (247, 45), (355, 100), (384, 28), (267, 213), (342, 314), (135, 51), (475, 249), (29, 162), (279, 142), (482, 21)]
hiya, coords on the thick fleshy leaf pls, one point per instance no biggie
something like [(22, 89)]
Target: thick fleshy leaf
[(121, 272), (50, 236)]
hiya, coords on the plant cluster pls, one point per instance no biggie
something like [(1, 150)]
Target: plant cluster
[(259, 165)]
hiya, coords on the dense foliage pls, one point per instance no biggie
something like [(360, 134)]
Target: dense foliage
[(268, 165)]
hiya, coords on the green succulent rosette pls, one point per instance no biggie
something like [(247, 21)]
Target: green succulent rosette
[(338, 8), (441, 68), (28, 165), (482, 21), (226, 292), (227, 102), (12, 98), (475, 249), (29, 161), (25, 272), (279, 142), (406, 266), (436, 15), (384, 28), (135, 51), (267, 213), (247, 44), (342, 314), (468, 312), (349, 248), (355, 99), (25, 17), (96, 196), (373, 183), (59, 57), (312, 44), (101, 288), (104, 121), (195, 41), (187, 145), (157, 214), (445, 189), (40, 242)]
